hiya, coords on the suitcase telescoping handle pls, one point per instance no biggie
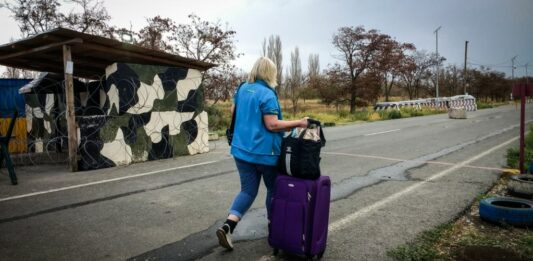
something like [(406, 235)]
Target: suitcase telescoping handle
[(317, 124)]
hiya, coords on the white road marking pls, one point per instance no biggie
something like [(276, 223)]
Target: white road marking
[(381, 132), (103, 181), (337, 225)]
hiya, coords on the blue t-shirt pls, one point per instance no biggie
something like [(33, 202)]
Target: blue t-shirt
[(252, 141)]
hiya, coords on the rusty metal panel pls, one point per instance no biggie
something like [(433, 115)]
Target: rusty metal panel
[(518, 87), (529, 90), (19, 140)]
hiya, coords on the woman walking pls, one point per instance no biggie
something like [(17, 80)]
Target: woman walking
[(256, 143)]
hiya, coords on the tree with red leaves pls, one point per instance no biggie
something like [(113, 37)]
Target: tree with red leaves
[(358, 49)]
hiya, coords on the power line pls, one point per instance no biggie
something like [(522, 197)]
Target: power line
[(492, 64)]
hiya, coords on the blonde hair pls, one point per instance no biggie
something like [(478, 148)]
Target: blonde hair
[(264, 69)]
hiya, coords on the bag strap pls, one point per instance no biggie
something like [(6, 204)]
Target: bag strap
[(234, 115)]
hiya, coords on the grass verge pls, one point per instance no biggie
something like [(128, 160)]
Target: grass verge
[(220, 116), (513, 153)]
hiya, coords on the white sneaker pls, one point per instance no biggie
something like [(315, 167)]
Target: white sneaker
[(224, 238)]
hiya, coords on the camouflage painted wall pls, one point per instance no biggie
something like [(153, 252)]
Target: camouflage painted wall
[(148, 113), (45, 114), (42, 116)]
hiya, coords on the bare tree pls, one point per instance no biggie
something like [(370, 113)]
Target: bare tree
[(358, 49), (220, 85), (313, 75), (416, 68), (273, 50), (313, 66), (156, 34), (451, 80), (294, 82), (389, 63), (208, 42), (264, 48), (205, 41), (92, 18), (35, 16)]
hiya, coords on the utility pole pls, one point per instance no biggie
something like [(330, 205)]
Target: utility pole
[(527, 78), (438, 59), (464, 72), (512, 67), (512, 73)]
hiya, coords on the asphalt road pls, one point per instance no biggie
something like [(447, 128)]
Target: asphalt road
[(391, 181)]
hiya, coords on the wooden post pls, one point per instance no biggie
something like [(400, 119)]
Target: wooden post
[(522, 127), (70, 113)]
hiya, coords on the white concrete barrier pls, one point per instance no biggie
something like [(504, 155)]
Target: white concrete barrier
[(467, 102)]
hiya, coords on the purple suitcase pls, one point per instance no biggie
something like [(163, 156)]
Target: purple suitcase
[(300, 215)]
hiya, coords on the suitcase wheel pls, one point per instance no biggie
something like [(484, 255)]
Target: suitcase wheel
[(275, 252), (320, 255)]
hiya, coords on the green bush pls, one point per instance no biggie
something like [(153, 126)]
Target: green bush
[(483, 105), (216, 118), (512, 157), (343, 114), (412, 111), (360, 116), (395, 114)]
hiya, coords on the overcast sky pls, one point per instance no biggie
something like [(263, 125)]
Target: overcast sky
[(496, 30)]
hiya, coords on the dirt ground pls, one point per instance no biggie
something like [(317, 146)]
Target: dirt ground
[(471, 238)]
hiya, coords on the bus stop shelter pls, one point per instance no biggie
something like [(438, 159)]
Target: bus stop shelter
[(79, 55)]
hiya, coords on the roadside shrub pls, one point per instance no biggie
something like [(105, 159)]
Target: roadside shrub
[(375, 116), (360, 116), (490, 104), (412, 111), (343, 114), (483, 105), (216, 118), (395, 114), (513, 157)]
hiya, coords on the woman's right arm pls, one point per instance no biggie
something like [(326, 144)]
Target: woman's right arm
[(272, 123)]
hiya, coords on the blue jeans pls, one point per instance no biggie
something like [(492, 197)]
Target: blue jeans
[(250, 175)]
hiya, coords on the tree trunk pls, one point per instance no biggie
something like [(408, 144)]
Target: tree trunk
[(410, 92), (388, 89), (352, 98)]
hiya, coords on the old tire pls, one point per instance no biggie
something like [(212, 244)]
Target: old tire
[(508, 211), (521, 185)]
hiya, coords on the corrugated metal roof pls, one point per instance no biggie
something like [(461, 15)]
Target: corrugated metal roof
[(91, 54)]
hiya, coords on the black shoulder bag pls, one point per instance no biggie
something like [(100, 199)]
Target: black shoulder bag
[(301, 157), (231, 129)]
